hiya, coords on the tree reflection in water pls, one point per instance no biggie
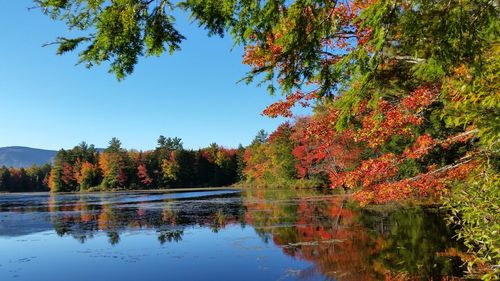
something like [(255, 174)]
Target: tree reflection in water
[(348, 243), (340, 240), (83, 218)]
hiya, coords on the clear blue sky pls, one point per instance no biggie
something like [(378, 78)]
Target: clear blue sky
[(48, 102)]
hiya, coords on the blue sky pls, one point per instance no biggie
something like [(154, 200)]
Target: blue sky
[(48, 102)]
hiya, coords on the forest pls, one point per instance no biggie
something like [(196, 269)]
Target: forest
[(169, 165), (34, 178), (405, 95)]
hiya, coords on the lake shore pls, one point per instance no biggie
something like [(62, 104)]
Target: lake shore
[(162, 190)]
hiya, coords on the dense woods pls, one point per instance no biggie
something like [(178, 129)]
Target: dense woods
[(34, 178), (405, 94), (169, 165)]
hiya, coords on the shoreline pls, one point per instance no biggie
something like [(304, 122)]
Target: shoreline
[(162, 190)]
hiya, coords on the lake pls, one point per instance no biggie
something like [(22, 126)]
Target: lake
[(252, 234)]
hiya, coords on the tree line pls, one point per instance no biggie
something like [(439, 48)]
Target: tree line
[(34, 178), (169, 165)]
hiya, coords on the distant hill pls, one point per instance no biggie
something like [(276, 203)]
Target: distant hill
[(19, 156)]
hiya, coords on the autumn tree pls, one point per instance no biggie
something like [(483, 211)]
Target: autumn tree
[(22, 179), (88, 175), (115, 164), (256, 160), (169, 165), (169, 168), (66, 174), (142, 173), (269, 161), (321, 151), (38, 178)]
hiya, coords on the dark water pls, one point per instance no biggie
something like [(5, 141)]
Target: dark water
[(220, 235)]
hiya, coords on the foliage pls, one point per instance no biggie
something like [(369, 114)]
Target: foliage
[(408, 88), (271, 162), (122, 30), (87, 176), (83, 168), (67, 174), (142, 174), (475, 208), (34, 178), (170, 168)]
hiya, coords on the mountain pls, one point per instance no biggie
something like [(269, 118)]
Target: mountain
[(19, 156)]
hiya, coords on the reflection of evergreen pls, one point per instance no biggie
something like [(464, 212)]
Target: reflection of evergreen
[(82, 238), (170, 235), (113, 237), (267, 218), (225, 216), (414, 238), (61, 228)]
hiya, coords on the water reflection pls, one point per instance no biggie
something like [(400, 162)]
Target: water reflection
[(324, 236), (82, 216), (348, 243)]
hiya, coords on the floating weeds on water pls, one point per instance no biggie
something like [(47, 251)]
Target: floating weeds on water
[(313, 243)]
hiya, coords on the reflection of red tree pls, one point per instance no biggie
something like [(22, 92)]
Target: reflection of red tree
[(342, 249), (142, 174), (323, 231)]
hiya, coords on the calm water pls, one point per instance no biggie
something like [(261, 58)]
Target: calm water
[(219, 235)]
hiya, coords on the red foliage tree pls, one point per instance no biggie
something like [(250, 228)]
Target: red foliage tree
[(142, 173)]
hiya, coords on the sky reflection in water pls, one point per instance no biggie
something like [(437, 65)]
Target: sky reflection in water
[(218, 235)]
